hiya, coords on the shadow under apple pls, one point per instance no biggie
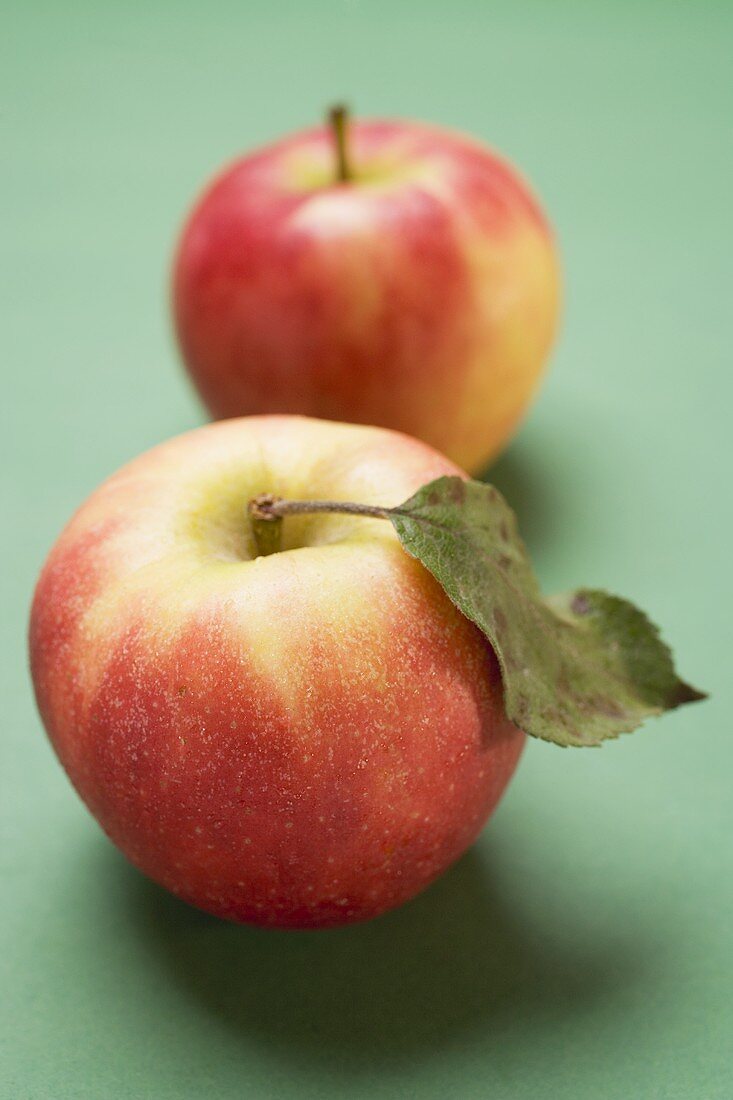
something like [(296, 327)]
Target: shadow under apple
[(460, 958)]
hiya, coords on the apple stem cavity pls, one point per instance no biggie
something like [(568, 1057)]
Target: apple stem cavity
[(338, 118), (266, 514)]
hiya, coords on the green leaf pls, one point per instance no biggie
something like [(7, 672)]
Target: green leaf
[(577, 669)]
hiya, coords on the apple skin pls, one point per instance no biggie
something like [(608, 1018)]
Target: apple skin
[(300, 740), (420, 296)]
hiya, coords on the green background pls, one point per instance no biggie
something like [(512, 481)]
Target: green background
[(583, 948)]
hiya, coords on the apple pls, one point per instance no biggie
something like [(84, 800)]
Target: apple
[(298, 740), (411, 281)]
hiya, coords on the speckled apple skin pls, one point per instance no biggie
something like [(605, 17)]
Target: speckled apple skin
[(421, 296), (300, 740)]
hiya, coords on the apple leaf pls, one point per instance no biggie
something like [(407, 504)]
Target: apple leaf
[(578, 668)]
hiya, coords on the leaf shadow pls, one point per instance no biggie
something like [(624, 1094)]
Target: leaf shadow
[(460, 958), (518, 476)]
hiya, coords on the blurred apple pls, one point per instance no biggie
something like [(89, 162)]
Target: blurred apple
[(381, 272), (299, 740)]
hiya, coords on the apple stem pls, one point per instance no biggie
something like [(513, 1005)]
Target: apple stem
[(266, 515), (266, 527), (338, 118), (278, 508)]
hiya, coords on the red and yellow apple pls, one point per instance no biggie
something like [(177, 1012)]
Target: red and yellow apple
[(299, 740), (420, 293)]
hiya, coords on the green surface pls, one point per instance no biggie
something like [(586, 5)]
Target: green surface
[(583, 949)]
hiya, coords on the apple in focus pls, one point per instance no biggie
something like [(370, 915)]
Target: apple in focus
[(409, 282), (299, 740)]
